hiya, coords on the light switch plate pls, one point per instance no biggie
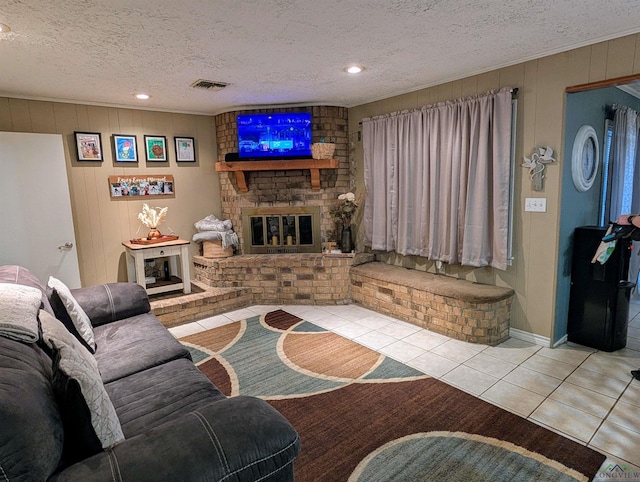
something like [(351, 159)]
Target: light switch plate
[(535, 204)]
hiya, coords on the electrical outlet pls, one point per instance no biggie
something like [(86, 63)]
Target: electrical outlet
[(535, 204)]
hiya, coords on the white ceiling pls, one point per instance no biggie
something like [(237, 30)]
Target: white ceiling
[(280, 52)]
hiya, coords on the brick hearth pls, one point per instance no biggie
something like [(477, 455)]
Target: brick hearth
[(176, 308), (302, 278), (457, 308)]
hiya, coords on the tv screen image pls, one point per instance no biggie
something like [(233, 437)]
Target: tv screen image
[(282, 135)]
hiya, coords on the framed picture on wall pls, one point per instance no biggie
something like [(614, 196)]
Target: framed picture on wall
[(88, 146), (185, 149), (124, 148), (155, 148)]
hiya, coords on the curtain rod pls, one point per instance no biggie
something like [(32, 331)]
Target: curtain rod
[(514, 93)]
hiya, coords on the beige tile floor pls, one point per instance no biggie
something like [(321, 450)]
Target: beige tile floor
[(584, 394)]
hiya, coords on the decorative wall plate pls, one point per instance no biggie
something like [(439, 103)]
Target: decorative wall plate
[(585, 158)]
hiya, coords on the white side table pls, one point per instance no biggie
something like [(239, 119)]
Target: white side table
[(137, 253)]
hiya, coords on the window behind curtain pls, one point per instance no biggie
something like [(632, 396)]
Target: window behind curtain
[(438, 181), (625, 156)]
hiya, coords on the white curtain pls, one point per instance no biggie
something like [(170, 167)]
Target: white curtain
[(437, 181), (625, 174)]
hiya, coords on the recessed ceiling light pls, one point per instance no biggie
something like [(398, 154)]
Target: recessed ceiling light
[(4, 28), (354, 69), (142, 96)]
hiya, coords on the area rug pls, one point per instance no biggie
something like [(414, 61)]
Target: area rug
[(362, 416)]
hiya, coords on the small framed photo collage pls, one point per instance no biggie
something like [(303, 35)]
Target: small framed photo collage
[(125, 148)]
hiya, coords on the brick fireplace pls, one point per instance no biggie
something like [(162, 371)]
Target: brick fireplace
[(287, 188), (281, 260)]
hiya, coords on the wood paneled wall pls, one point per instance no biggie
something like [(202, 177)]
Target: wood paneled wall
[(102, 224), (540, 122)]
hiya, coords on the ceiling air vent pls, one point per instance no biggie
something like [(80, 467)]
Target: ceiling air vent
[(208, 85)]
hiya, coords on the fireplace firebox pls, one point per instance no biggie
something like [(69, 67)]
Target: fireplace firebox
[(288, 229)]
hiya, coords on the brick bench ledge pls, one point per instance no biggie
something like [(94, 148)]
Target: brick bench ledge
[(461, 309)]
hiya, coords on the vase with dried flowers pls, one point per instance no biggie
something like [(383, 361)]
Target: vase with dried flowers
[(343, 210), (151, 218)]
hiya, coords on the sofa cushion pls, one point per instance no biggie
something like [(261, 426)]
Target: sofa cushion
[(19, 307), (31, 433), (134, 344), (150, 398), (73, 367), (71, 313), (227, 440), (22, 276)]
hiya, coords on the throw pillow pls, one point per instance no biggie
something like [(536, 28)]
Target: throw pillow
[(80, 439), (71, 310), (90, 420), (19, 307)]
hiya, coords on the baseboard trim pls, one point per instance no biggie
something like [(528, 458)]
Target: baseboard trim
[(561, 341), (529, 337)]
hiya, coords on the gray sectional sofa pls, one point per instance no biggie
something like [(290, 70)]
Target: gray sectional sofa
[(177, 425)]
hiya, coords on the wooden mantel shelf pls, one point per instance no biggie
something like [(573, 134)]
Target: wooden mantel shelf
[(313, 165)]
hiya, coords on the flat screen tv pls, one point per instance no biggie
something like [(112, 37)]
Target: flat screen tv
[(282, 135)]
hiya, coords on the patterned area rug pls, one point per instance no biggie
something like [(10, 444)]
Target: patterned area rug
[(364, 417)]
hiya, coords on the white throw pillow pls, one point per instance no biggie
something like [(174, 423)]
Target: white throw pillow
[(19, 307), (78, 317), (77, 363)]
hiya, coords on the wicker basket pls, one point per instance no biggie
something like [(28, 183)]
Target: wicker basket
[(322, 150), (214, 249)]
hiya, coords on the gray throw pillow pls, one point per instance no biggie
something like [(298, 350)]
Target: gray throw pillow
[(80, 365), (80, 439)]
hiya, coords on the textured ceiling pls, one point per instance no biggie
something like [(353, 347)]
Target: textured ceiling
[(277, 52)]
